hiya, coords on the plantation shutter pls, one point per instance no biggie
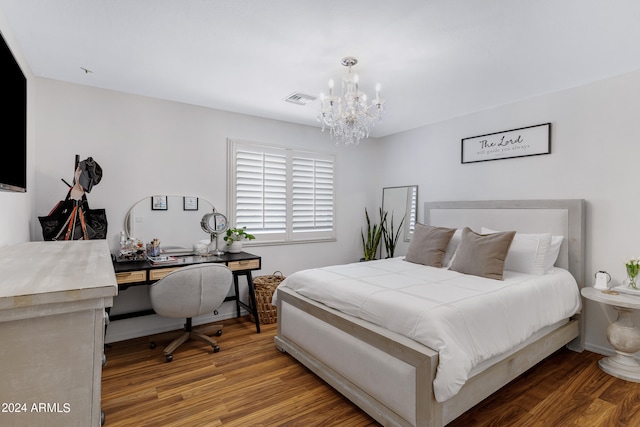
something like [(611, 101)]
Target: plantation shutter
[(261, 198), (312, 194), (280, 194)]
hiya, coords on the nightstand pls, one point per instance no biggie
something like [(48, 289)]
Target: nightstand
[(622, 334)]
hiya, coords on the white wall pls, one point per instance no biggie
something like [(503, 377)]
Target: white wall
[(147, 146), (595, 153)]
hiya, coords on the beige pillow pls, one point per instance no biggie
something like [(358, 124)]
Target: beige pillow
[(482, 254), (428, 244)]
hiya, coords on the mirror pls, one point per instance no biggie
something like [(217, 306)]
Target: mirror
[(174, 220), (215, 224), (401, 202)]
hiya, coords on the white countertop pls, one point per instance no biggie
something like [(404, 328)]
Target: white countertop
[(35, 273)]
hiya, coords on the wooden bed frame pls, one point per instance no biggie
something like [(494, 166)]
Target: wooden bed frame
[(390, 376)]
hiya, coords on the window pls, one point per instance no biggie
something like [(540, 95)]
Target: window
[(281, 194)]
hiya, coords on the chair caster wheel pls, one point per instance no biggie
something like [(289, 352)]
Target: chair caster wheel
[(168, 358), (219, 332), (216, 348), (152, 345)]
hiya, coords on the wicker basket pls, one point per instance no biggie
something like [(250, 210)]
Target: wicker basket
[(264, 287)]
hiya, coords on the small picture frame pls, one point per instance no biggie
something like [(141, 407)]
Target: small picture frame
[(159, 203), (190, 203)]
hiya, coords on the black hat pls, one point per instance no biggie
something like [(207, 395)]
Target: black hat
[(91, 173)]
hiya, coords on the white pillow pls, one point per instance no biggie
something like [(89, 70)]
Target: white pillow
[(527, 253), (450, 250), (552, 253)]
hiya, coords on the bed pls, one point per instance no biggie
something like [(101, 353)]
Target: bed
[(393, 375)]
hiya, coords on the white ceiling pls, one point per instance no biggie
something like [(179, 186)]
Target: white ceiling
[(435, 59)]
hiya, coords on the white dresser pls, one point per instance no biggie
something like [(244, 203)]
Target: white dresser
[(52, 302)]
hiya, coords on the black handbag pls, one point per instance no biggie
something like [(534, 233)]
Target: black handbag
[(65, 221)]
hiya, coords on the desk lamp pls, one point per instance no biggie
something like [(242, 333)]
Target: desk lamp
[(214, 223)]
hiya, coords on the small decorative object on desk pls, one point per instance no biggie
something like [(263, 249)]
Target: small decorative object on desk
[(633, 268), (234, 238), (162, 259), (153, 248), (131, 250)]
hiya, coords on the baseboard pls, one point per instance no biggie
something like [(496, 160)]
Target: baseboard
[(605, 351)]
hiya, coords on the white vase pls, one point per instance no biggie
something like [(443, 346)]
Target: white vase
[(235, 247)]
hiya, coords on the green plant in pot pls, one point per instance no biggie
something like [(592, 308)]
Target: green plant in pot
[(371, 242), (390, 236), (234, 238)]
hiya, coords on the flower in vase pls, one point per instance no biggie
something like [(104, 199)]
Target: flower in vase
[(633, 268)]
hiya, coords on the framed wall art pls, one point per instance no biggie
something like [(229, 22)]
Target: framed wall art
[(159, 203), (521, 142), (190, 203)]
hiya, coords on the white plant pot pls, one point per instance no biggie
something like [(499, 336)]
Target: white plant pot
[(235, 247)]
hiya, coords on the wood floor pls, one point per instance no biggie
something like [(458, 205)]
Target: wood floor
[(250, 383)]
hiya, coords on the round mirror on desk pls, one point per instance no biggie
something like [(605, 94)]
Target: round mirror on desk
[(214, 223)]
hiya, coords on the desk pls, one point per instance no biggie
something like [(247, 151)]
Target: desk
[(622, 334), (137, 273)]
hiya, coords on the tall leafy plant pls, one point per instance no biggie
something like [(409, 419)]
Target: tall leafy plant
[(371, 242), (391, 236)]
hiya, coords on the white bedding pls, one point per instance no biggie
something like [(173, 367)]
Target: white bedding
[(467, 319)]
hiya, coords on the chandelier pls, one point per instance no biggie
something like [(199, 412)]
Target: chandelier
[(349, 117)]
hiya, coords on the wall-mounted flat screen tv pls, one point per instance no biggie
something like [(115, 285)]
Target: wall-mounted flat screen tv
[(13, 148)]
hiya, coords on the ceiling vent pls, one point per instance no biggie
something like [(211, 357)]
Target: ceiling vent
[(300, 98)]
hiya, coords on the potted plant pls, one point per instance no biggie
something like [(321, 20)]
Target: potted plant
[(374, 233), (390, 237), (234, 238)]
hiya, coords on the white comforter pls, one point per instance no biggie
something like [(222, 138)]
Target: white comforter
[(467, 319)]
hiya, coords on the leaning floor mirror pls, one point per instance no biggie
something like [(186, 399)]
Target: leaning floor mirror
[(401, 206)]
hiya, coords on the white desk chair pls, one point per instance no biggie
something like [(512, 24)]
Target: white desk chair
[(189, 292)]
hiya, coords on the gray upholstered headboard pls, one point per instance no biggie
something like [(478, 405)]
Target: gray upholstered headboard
[(558, 217)]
